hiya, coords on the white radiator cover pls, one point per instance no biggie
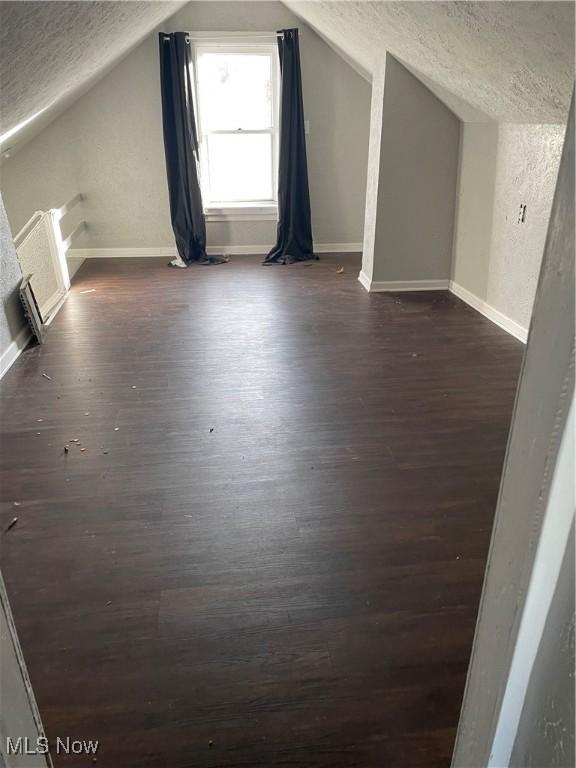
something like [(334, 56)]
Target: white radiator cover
[(41, 254)]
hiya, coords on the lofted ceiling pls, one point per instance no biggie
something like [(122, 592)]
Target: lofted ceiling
[(51, 52), (504, 61)]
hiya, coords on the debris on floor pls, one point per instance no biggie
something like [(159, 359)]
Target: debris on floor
[(82, 450), (210, 743), (116, 429), (17, 503), (12, 524), (339, 270), (211, 430), (47, 377), (66, 449)]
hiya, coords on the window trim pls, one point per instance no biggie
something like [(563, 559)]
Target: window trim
[(240, 42), (241, 212)]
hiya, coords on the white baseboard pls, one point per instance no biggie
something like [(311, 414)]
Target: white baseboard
[(396, 286), (364, 280), (122, 253), (14, 350), (502, 320), (237, 250), (74, 263), (338, 247), (169, 252)]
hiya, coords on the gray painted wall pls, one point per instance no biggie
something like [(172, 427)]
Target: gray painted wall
[(545, 734), (373, 176), (417, 164), (11, 317), (496, 257), (557, 529), (544, 395), (19, 714), (108, 145)]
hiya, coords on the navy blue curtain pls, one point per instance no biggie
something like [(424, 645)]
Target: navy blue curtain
[(181, 149), (294, 235)]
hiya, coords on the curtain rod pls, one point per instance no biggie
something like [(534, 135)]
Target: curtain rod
[(231, 35), (238, 34)]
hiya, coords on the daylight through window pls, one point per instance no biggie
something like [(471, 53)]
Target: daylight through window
[(236, 87)]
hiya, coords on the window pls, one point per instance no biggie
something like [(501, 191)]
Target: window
[(237, 105)]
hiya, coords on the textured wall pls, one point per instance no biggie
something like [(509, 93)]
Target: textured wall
[(11, 317), (18, 713), (546, 732), (108, 145), (545, 392), (43, 174), (508, 61), (538, 628), (501, 167), (416, 185), (39, 74)]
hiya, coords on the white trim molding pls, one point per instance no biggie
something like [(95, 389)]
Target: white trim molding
[(169, 252), (74, 264), (237, 250), (14, 350), (337, 248), (242, 212), (364, 280), (215, 215), (397, 286), (497, 317), (123, 253)]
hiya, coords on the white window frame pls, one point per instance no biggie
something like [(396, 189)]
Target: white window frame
[(239, 42)]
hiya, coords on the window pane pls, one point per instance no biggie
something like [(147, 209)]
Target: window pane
[(235, 91), (240, 167)]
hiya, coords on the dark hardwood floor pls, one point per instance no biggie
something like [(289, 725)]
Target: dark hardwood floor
[(271, 550)]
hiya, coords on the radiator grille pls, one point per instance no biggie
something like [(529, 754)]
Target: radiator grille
[(38, 256)]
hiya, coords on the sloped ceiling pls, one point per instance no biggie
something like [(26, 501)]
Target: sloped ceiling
[(50, 52), (504, 61)]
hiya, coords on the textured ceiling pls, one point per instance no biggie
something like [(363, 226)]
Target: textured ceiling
[(50, 52), (506, 61)]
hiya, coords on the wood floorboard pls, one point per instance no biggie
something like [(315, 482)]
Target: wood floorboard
[(271, 550)]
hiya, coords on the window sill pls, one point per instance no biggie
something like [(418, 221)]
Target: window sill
[(249, 212)]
